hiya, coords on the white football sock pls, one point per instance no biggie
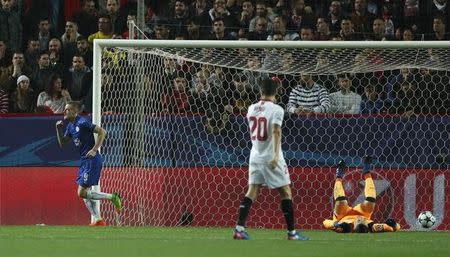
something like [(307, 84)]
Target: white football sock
[(91, 205), (98, 195)]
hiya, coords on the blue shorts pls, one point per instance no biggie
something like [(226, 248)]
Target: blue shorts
[(89, 172)]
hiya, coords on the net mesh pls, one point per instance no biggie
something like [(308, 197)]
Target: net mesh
[(178, 142)]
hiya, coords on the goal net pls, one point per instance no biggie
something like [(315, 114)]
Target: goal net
[(178, 142)]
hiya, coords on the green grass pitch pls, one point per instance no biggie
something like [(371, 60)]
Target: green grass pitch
[(63, 241)]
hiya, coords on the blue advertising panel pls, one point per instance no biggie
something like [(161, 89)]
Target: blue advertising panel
[(397, 142)]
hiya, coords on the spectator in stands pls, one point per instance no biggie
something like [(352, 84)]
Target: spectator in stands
[(301, 15), (104, 30), (439, 29), (261, 12), (179, 100), (234, 6), (286, 83), (178, 21), (408, 35), (85, 51), (215, 104), (261, 31), (246, 15), (118, 20), (410, 16), (69, 38), (241, 96), (4, 101), (390, 20), (254, 77), (274, 57), (362, 20), (219, 10), (54, 95), (161, 30), (217, 78), (277, 36), (287, 63), (335, 16), (438, 8), (199, 8), (394, 83), (5, 55), (9, 75), (199, 92), (78, 79), (23, 99), (33, 12), (407, 100), (31, 55), (170, 69), (131, 17), (306, 33), (44, 34), (11, 25), (86, 18), (379, 31), (323, 32), (55, 45), (194, 31), (41, 75), (347, 33), (58, 62), (370, 102), (279, 27), (308, 97), (345, 101), (219, 30)]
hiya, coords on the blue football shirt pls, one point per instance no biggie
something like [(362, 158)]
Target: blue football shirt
[(81, 132)]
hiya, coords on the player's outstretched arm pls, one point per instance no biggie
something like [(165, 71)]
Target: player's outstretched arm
[(62, 140), (101, 135)]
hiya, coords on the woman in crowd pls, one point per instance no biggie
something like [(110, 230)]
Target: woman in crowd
[(23, 99), (54, 95)]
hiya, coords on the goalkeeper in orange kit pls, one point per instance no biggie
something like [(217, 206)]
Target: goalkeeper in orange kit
[(347, 219)]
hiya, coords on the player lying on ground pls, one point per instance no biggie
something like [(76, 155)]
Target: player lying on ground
[(356, 219), (81, 131)]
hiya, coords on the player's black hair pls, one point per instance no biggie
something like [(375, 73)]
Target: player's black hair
[(346, 227), (268, 87), (362, 228)]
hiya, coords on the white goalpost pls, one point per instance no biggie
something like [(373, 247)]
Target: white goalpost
[(178, 144)]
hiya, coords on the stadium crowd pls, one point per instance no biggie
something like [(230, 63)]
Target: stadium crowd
[(46, 53)]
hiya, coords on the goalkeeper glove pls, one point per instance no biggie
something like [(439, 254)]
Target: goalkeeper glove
[(343, 227), (391, 223)]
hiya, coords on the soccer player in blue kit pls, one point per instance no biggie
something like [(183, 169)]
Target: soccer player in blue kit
[(81, 132)]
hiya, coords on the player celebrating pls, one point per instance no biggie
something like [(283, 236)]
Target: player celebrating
[(267, 165), (81, 132), (357, 219)]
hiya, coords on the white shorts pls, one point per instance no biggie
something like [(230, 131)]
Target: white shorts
[(262, 174)]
